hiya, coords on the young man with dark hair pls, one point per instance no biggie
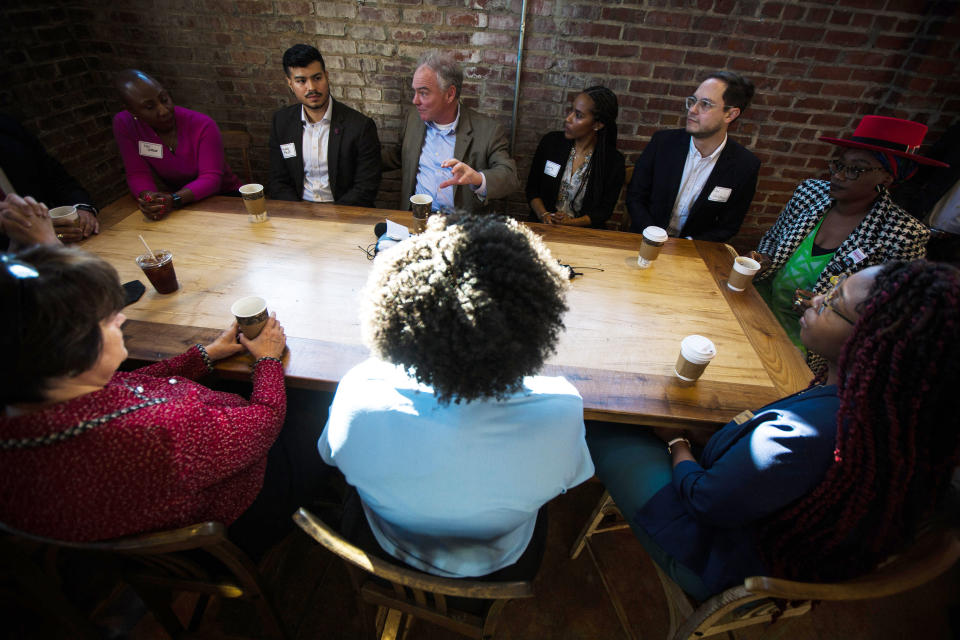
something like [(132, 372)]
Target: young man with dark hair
[(321, 150), (696, 182)]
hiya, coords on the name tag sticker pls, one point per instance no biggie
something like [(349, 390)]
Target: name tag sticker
[(551, 169), (720, 194), (289, 150), (151, 149), (857, 255)]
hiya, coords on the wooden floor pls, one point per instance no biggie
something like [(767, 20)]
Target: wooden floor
[(315, 599)]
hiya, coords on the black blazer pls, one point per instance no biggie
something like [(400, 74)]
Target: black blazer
[(353, 156), (656, 182), (32, 171), (556, 148)]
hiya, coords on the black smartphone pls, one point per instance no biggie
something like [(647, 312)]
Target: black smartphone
[(133, 290)]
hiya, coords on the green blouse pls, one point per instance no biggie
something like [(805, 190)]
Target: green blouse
[(801, 271)]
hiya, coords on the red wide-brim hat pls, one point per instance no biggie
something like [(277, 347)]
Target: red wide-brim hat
[(888, 135)]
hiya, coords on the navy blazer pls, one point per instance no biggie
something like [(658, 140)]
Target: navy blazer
[(353, 156), (656, 182), (556, 148)]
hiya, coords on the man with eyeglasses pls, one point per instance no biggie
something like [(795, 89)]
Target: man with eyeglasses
[(696, 182)]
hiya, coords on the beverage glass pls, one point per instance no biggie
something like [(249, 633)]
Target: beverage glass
[(65, 214), (159, 272)]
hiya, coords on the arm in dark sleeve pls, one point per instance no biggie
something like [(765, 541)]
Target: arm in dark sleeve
[(781, 460), (736, 210), (280, 186), (641, 185), (366, 182), (613, 177)]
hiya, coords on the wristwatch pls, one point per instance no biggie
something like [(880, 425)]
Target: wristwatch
[(177, 200)]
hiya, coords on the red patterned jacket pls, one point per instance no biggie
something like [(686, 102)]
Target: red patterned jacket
[(150, 451)]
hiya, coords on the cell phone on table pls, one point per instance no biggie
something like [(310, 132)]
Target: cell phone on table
[(133, 290)]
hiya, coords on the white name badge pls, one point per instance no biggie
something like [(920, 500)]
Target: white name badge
[(289, 150), (856, 256), (151, 149), (551, 169), (720, 194)]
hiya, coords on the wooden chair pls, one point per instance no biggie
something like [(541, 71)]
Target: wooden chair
[(415, 594), (762, 599), (239, 140), (198, 559)]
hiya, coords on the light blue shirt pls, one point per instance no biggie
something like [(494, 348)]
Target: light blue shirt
[(438, 146), (454, 490)]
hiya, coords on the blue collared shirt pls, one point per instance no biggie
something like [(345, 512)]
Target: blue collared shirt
[(437, 146)]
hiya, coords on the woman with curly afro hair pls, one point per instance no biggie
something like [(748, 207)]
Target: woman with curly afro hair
[(825, 484), (450, 437)]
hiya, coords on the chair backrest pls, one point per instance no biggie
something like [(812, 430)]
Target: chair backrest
[(411, 587), (239, 140), (932, 554), (174, 561)]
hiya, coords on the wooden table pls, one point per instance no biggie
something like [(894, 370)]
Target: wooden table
[(623, 329)]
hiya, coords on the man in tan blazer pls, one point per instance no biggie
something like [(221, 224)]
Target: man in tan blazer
[(450, 152)]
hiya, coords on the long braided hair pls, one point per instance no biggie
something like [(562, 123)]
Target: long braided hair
[(605, 110), (897, 432)]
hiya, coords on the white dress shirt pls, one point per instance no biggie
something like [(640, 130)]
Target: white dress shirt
[(696, 170), (316, 135)]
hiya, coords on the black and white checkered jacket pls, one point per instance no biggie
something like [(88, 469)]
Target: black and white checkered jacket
[(887, 233)]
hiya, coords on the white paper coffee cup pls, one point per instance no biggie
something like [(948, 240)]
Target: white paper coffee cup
[(251, 314), (653, 240), (696, 352), (744, 269), (255, 201)]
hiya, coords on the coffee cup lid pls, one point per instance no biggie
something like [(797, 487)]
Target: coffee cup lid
[(656, 234), (698, 349)]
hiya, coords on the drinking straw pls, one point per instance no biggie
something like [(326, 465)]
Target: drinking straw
[(148, 248)]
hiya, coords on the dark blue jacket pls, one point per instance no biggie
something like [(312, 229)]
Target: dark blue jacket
[(707, 518)]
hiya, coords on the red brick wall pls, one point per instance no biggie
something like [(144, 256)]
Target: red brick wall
[(818, 66)]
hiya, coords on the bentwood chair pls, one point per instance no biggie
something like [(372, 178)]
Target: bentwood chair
[(197, 559), (763, 600), (239, 140), (414, 594)]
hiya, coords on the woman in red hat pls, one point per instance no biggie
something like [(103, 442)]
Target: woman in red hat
[(847, 223)]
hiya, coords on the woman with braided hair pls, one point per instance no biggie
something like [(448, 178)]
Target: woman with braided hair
[(826, 483), (576, 174), (844, 224)]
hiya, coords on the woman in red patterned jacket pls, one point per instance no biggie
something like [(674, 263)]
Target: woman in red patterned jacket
[(90, 453)]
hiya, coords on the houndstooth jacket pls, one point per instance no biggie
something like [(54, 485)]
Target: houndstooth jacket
[(887, 233)]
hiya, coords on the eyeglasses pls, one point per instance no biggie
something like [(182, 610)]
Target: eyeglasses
[(703, 103), (848, 172), (831, 297), (20, 271)]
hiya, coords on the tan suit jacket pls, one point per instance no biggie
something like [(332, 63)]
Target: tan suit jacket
[(481, 143)]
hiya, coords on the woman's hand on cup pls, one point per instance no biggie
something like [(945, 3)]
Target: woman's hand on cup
[(226, 344), (153, 204), (763, 259), (270, 343)]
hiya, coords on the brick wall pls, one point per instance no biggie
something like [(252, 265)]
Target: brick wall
[(48, 82), (819, 66)]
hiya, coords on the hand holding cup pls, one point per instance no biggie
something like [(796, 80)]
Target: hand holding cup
[(226, 344), (270, 342)]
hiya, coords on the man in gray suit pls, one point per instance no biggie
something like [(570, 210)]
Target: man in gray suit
[(448, 151)]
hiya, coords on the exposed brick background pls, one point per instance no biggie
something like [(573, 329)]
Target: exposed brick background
[(818, 65)]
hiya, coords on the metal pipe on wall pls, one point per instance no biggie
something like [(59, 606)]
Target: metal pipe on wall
[(516, 83)]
